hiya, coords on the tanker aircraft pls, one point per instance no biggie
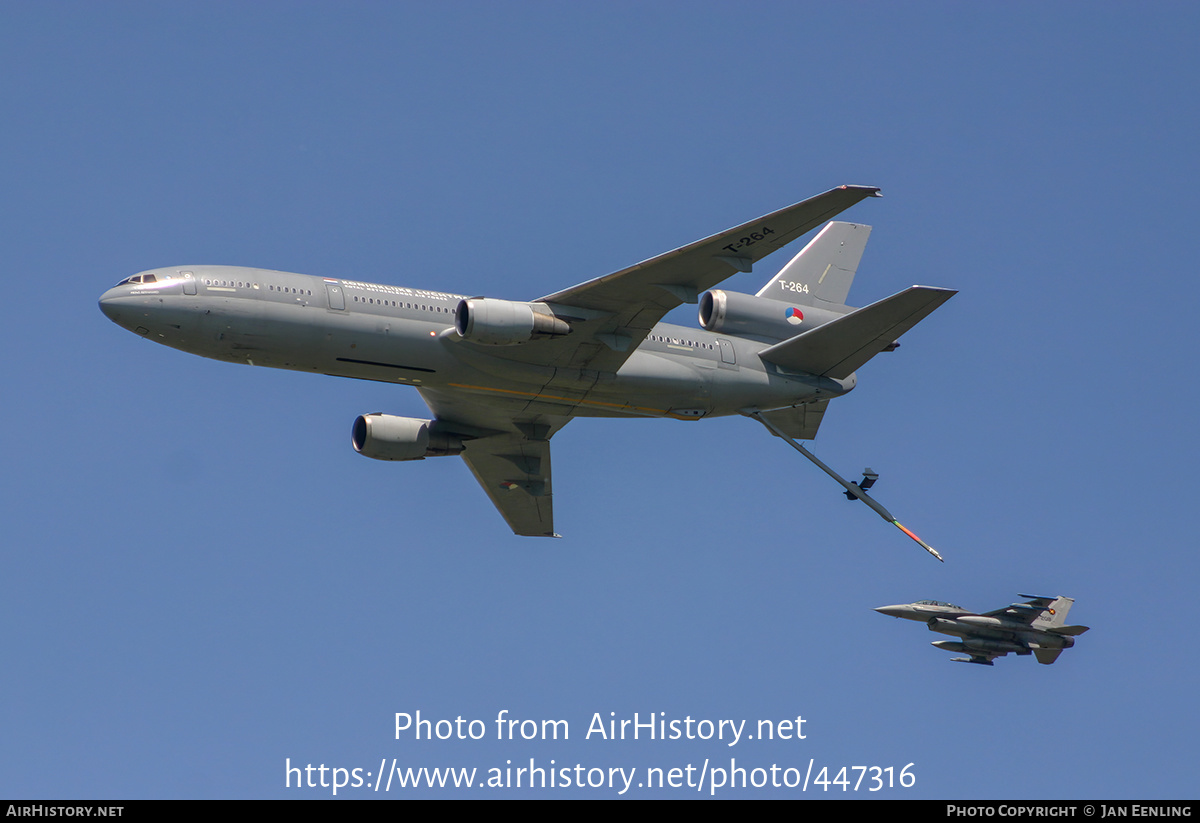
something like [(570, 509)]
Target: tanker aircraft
[(1035, 627), (502, 377)]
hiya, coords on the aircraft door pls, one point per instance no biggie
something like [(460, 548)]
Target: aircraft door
[(728, 356), (337, 300), (189, 282)]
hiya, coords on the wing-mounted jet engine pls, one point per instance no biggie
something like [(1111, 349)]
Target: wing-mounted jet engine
[(504, 322), (388, 437)]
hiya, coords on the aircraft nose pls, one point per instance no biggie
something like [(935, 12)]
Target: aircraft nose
[(893, 611), (119, 308), (108, 305)]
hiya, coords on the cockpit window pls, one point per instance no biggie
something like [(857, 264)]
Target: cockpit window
[(143, 278), (938, 603)]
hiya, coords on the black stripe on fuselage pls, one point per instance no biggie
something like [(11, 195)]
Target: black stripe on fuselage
[(385, 365)]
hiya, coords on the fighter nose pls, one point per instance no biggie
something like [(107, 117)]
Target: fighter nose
[(892, 611)]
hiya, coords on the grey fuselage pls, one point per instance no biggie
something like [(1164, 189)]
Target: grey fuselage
[(368, 331), (982, 634)]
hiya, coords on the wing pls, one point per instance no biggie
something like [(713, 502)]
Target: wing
[(508, 440), (515, 473), (508, 451), (1024, 612), (611, 315)]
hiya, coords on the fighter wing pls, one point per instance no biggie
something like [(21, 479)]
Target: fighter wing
[(1024, 612), (507, 448), (614, 313)]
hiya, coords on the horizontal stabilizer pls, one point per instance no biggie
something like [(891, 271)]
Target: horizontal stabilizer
[(1071, 631), (1046, 656), (838, 348)]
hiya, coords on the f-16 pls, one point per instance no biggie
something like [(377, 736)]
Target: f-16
[(502, 377), (1036, 627)]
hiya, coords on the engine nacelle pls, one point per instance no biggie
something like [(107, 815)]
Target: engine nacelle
[(731, 312), (505, 323), (387, 437), (1053, 641)]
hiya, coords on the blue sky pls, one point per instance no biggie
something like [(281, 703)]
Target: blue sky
[(204, 581)]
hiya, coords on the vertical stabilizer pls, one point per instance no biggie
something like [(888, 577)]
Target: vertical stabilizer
[(821, 274), (1055, 615)]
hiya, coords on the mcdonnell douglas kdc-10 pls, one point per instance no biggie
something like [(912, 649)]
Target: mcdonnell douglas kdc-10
[(501, 377)]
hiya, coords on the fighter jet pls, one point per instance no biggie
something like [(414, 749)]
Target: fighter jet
[(501, 377), (1035, 627)]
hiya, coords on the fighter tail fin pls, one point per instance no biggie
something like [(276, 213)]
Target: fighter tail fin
[(1055, 613)]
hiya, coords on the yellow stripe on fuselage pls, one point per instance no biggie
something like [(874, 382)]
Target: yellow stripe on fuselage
[(573, 401)]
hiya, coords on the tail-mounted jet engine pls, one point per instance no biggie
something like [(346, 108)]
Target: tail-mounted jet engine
[(387, 437), (505, 323), (731, 312)]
